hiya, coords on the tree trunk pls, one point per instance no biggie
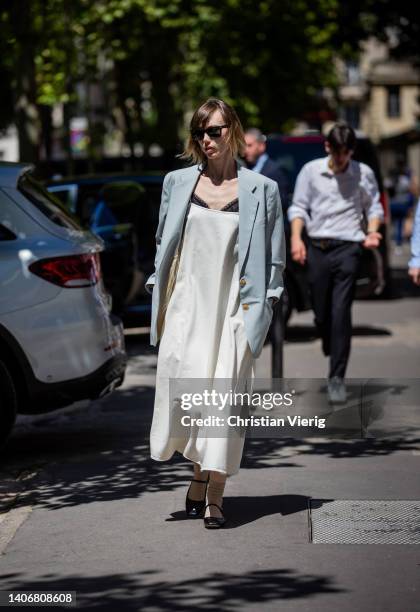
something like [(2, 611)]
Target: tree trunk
[(67, 139), (26, 110)]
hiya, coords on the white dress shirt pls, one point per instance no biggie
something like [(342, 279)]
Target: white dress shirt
[(260, 162), (335, 205)]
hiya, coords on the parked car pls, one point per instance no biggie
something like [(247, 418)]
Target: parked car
[(59, 342), (127, 226), (292, 152)]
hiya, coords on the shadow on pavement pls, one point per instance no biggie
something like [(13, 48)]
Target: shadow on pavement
[(308, 333), (103, 454), (243, 510), (210, 593)]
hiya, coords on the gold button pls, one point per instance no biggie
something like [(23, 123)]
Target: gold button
[(242, 282), (245, 306)]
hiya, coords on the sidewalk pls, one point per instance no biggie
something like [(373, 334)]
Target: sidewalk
[(109, 524), (102, 519)]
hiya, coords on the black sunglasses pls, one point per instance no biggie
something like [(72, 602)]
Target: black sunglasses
[(213, 131)]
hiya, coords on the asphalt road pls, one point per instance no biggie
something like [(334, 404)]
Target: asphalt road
[(84, 508)]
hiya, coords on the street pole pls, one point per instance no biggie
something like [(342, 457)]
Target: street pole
[(277, 340)]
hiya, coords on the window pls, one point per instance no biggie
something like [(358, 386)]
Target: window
[(64, 195), (352, 115), (393, 101), (352, 72), (47, 203)]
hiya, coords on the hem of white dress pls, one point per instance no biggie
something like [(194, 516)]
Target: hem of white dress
[(206, 469)]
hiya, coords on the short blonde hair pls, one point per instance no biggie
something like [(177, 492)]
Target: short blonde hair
[(235, 138)]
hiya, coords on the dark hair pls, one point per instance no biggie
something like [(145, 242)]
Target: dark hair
[(342, 135), (235, 137)]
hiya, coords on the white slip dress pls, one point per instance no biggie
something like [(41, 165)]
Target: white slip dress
[(203, 337)]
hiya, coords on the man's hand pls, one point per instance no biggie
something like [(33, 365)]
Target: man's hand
[(415, 275), (298, 249), (372, 240)]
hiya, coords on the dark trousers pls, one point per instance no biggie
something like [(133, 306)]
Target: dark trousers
[(332, 277)]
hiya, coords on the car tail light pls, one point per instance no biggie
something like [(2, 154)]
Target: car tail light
[(69, 271)]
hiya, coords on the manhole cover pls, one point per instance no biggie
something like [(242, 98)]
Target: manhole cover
[(364, 522)]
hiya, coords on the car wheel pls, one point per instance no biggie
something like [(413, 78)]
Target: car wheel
[(8, 403)]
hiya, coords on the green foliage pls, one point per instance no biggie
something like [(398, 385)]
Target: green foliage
[(158, 59)]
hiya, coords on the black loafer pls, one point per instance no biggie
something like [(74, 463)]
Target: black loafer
[(214, 522), (194, 508)]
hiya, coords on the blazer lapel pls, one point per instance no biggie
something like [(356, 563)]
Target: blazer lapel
[(184, 187), (248, 206), (180, 196), (248, 203)]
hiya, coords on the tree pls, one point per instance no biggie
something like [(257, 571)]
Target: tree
[(156, 60)]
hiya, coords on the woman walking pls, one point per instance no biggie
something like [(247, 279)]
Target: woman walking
[(218, 271)]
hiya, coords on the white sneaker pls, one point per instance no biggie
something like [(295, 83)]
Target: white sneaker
[(336, 390)]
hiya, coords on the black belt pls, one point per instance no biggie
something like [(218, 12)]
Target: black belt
[(328, 243)]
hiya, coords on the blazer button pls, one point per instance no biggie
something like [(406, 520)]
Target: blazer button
[(245, 306), (242, 282)]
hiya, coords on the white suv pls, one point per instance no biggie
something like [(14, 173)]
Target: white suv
[(59, 342)]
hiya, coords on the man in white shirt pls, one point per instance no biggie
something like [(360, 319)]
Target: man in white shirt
[(333, 196)]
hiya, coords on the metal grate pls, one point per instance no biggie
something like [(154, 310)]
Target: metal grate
[(364, 521)]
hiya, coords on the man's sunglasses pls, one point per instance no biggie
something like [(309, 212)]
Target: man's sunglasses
[(213, 131)]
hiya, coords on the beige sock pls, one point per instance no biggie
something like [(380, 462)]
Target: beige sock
[(197, 489), (215, 492)]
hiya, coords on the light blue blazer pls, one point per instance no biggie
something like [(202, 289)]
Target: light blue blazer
[(261, 254)]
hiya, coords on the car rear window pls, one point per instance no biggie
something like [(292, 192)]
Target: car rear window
[(49, 205), (64, 195)]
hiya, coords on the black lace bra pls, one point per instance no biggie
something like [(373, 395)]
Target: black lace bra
[(229, 207)]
